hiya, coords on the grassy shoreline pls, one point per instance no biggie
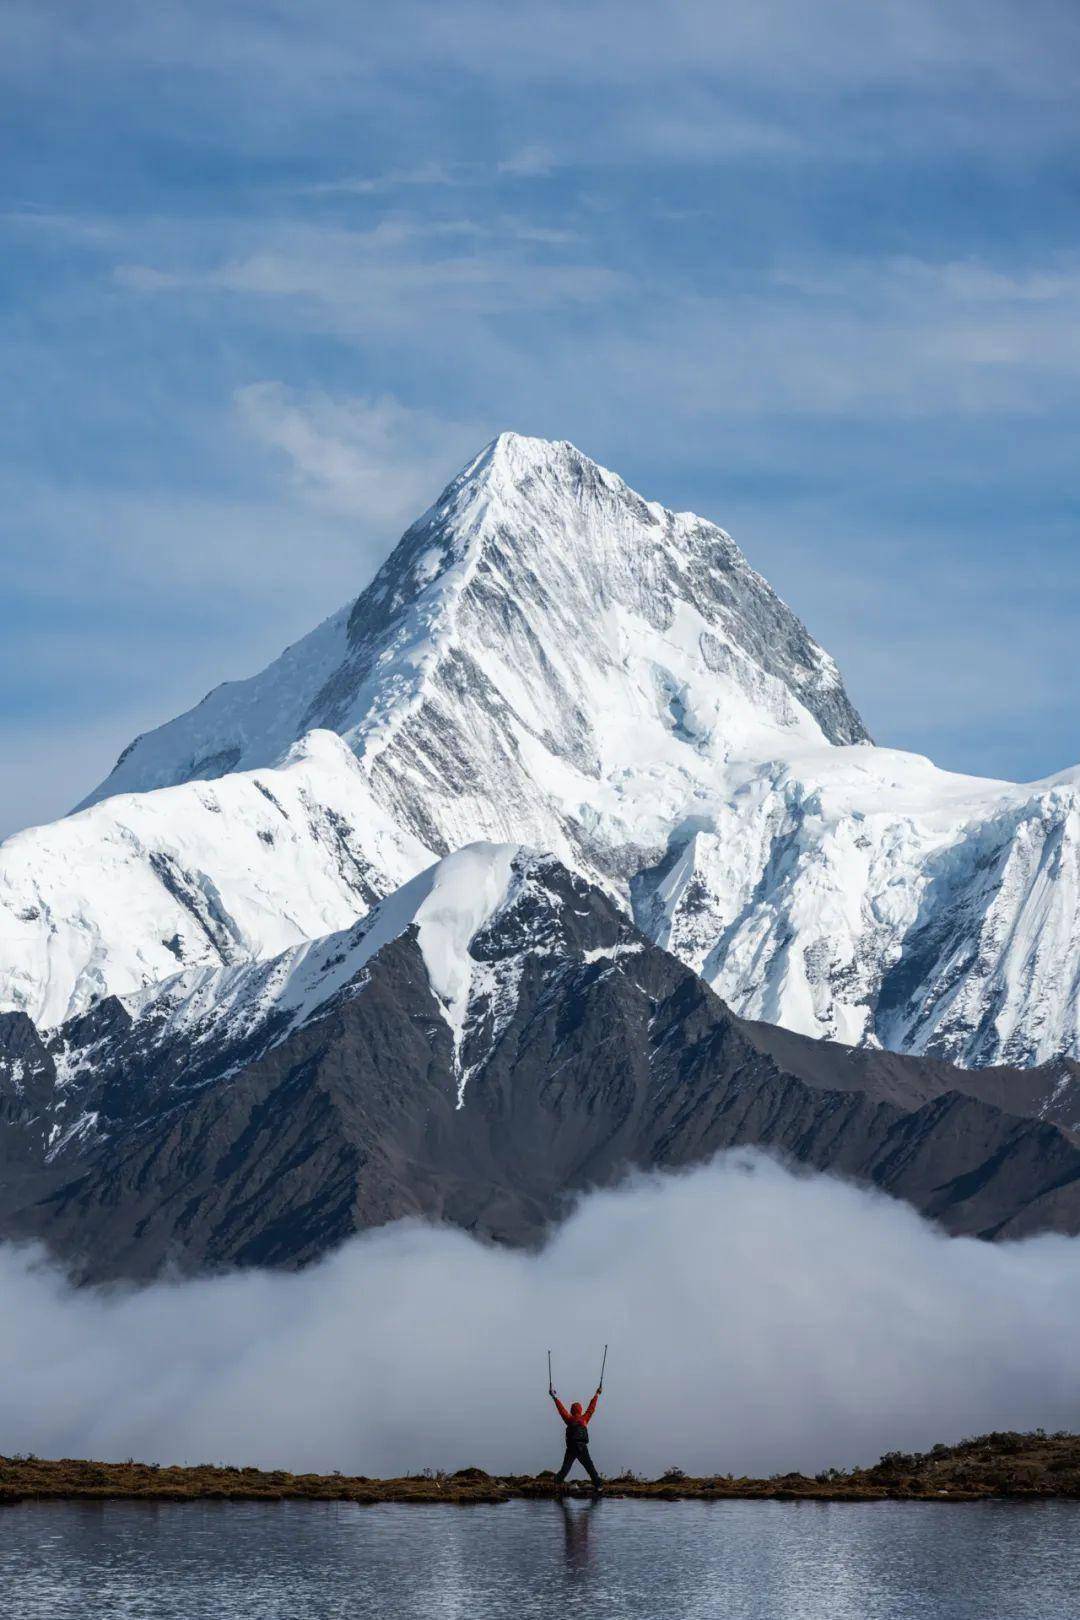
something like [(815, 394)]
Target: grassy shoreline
[(1001, 1465)]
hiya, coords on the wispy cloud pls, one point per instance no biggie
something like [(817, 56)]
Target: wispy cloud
[(145, 278), (373, 459), (531, 163), (973, 281), (827, 333), (837, 337), (912, 73), (395, 274), (427, 174)]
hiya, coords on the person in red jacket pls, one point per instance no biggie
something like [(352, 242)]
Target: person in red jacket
[(577, 1438)]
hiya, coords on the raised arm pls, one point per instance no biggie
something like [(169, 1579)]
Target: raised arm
[(559, 1407), (592, 1406)]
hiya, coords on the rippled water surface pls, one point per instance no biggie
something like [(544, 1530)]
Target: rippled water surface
[(520, 1560)]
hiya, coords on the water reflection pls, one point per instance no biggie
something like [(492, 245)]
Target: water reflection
[(576, 1521), (608, 1559)]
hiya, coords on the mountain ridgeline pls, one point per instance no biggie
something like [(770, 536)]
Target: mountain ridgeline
[(492, 1040), (547, 658), (561, 849)]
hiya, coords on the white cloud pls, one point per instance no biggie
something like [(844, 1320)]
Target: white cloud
[(982, 73), (833, 336), (757, 1321), (358, 289), (531, 163), (958, 283), (374, 459), (402, 276), (826, 334), (144, 278), (426, 174)]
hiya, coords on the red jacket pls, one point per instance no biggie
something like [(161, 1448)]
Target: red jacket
[(575, 1414)]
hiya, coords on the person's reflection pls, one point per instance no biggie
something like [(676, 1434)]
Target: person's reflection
[(576, 1532)]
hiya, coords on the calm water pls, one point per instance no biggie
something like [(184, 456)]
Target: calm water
[(524, 1561)]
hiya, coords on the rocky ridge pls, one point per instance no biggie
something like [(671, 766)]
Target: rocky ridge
[(489, 1041)]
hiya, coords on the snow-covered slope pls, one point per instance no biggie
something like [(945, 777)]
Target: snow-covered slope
[(549, 659), (491, 1038), (865, 896), (449, 904), (546, 657), (124, 894), (208, 1023)]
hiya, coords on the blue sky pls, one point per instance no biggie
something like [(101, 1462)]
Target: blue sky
[(270, 273)]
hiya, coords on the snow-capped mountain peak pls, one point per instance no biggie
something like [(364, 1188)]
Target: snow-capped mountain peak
[(548, 659), (540, 599)]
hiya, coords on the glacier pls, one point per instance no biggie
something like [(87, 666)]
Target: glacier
[(549, 659)]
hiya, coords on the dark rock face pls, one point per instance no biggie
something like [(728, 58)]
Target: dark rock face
[(27, 1087), (609, 1054)]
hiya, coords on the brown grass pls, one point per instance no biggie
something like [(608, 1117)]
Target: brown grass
[(1018, 1466)]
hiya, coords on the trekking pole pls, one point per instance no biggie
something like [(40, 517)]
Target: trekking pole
[(602, 1366), (551, 1386)]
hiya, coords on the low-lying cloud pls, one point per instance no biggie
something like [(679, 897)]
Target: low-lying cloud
[(758, 1320)]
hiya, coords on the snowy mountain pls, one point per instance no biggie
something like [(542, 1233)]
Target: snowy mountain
[(868, 897), (542, 653), (548, 658), (489, 1039), (219, 1017), (124, 895)]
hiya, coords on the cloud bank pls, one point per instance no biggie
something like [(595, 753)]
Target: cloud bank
[(758, 1320)]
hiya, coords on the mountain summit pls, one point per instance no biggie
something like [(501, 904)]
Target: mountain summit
[(544, 656), (548, 659)]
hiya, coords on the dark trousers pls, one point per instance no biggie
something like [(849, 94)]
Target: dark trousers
[(578, 1453)]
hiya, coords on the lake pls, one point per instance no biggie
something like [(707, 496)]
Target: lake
[(531, 1560)]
